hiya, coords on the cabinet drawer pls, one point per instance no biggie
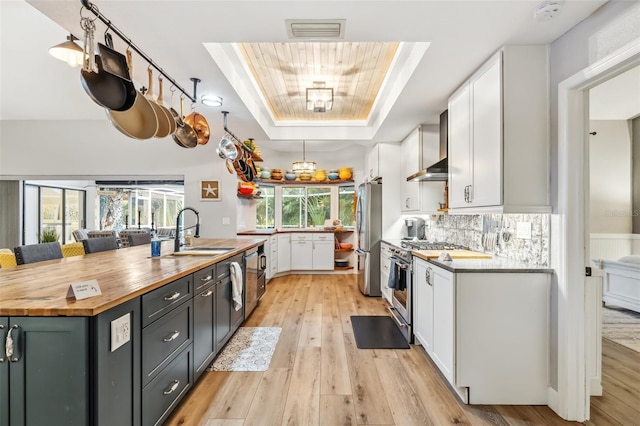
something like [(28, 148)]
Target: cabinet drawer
[(165, 337), (301, 237), (323, 237), (385, 250), (164, 392), (203, 278), (160, 301), (223, 267)]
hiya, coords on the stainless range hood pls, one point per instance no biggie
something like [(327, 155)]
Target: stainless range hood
[(440, 170)]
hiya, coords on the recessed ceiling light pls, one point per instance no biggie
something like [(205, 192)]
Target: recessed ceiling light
[(547, 10), (211, 100)]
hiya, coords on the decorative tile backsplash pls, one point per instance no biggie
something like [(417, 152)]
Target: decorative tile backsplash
[(494, 233)]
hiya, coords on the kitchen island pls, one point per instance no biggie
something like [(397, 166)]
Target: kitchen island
[(127, 356)]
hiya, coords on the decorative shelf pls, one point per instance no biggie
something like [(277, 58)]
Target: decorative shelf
[(249, 196), (341, 250), (342, 268), (304, 182)]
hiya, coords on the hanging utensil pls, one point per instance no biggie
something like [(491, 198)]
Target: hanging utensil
[(139, 121), (185, 136), (115, 63), (172, 120), (196, 120), (164, 125)]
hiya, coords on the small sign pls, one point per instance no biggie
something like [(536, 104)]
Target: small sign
[(210, 190), (445, 257), (84, 289)]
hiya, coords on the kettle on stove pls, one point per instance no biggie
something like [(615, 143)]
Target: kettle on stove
[(414, 228)]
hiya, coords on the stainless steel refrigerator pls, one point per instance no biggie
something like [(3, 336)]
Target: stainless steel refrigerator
[(369, 230)]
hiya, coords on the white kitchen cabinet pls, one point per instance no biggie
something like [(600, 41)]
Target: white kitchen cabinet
[(272, 256), (284, 253), (498, 135), (323, 251), (385, 265), (443, 320), (423, 305), (373, 163), (488, 333), (301, 251), (420, 149)]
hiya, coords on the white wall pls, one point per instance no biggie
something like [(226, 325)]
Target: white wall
[(610, 177), (73, 149)]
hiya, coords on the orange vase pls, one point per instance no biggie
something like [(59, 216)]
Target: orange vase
[(345, 173)]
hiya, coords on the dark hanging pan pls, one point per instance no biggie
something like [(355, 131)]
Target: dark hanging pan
[(106, 89)]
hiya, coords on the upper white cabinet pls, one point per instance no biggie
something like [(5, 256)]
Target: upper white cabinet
[(499, 135), (418, 151), (373, 163)]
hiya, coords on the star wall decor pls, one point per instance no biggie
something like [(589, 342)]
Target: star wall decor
[(210, 190)]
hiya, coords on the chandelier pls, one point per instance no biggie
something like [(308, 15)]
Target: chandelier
[(303, 166), (319, 97)]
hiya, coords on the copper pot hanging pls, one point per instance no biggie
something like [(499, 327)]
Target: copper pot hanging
[(200, 125)]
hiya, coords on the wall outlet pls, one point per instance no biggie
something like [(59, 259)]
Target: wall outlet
[(120, 331), (523, 230), (226, 221)]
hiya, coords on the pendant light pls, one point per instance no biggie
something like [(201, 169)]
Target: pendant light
[(68, 52), (304, 166)]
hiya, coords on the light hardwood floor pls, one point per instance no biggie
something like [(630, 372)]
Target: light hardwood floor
[(319, 377)]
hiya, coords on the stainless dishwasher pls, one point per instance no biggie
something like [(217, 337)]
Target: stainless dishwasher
[(255, 262)]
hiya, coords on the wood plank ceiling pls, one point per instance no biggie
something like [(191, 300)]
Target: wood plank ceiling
[(283, 72)]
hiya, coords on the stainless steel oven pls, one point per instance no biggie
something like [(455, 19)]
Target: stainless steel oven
[(400, 282)]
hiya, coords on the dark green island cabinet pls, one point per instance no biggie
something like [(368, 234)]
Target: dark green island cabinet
[(83, 371)]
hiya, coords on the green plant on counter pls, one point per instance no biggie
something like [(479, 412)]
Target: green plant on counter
[(317, 211), (48, 235)]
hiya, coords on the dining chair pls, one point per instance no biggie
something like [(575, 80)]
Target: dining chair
[(37, 252), (95, 245), (72, 249), (80, 234), (7, 258), (123, 236), (138, 239)]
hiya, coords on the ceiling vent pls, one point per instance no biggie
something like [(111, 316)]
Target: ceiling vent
[(307, 29)]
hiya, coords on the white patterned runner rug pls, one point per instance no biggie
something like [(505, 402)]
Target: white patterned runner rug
[(622, 326), (250, 349)]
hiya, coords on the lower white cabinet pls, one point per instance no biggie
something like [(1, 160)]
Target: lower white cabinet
[(385, 264), (323, 251), (488, 332), (272, 257), (301, 251), (284, 253)]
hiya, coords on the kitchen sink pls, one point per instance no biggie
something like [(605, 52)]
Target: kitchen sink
[(203, 251)]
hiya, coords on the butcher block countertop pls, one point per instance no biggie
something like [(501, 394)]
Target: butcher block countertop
[(455, 254), (40, 289)]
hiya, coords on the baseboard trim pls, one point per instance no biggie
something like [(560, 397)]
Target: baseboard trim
[(552, 400), (595, 386)]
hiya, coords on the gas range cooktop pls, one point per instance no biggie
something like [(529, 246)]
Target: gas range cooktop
[(431, 245)]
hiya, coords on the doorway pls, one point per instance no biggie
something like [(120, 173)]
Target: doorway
[(571, 227)]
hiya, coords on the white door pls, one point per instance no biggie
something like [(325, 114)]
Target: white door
[(423, 305), (459, 147), (284, 253), (443, 320), (486, 112)]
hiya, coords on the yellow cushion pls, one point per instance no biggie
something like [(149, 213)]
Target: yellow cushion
[(7, 260), (72, 249)]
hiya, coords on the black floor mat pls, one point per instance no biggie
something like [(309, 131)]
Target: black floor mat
[(377, 332)]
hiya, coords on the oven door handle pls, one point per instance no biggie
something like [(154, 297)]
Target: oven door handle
[(402, 264), (394, 315)]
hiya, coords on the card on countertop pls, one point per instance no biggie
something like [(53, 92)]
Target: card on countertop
[(84, 289)]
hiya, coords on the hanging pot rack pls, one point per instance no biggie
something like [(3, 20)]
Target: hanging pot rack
[(110, 27), (237, 140)]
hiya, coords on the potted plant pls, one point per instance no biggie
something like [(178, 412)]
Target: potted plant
[(317, 211), (48, 235)]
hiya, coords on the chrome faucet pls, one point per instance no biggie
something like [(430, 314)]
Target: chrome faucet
[(177, 244)]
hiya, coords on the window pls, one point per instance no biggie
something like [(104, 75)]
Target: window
[(265, 208), (52, 209), (347, 205), (293, 207), (121, 208), (305, 207)]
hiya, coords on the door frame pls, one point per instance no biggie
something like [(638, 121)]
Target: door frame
[(570, 225)]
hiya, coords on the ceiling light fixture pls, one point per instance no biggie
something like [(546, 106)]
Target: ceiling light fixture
[(319, 97), (212, 100), (68, 52), (304, 166)]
